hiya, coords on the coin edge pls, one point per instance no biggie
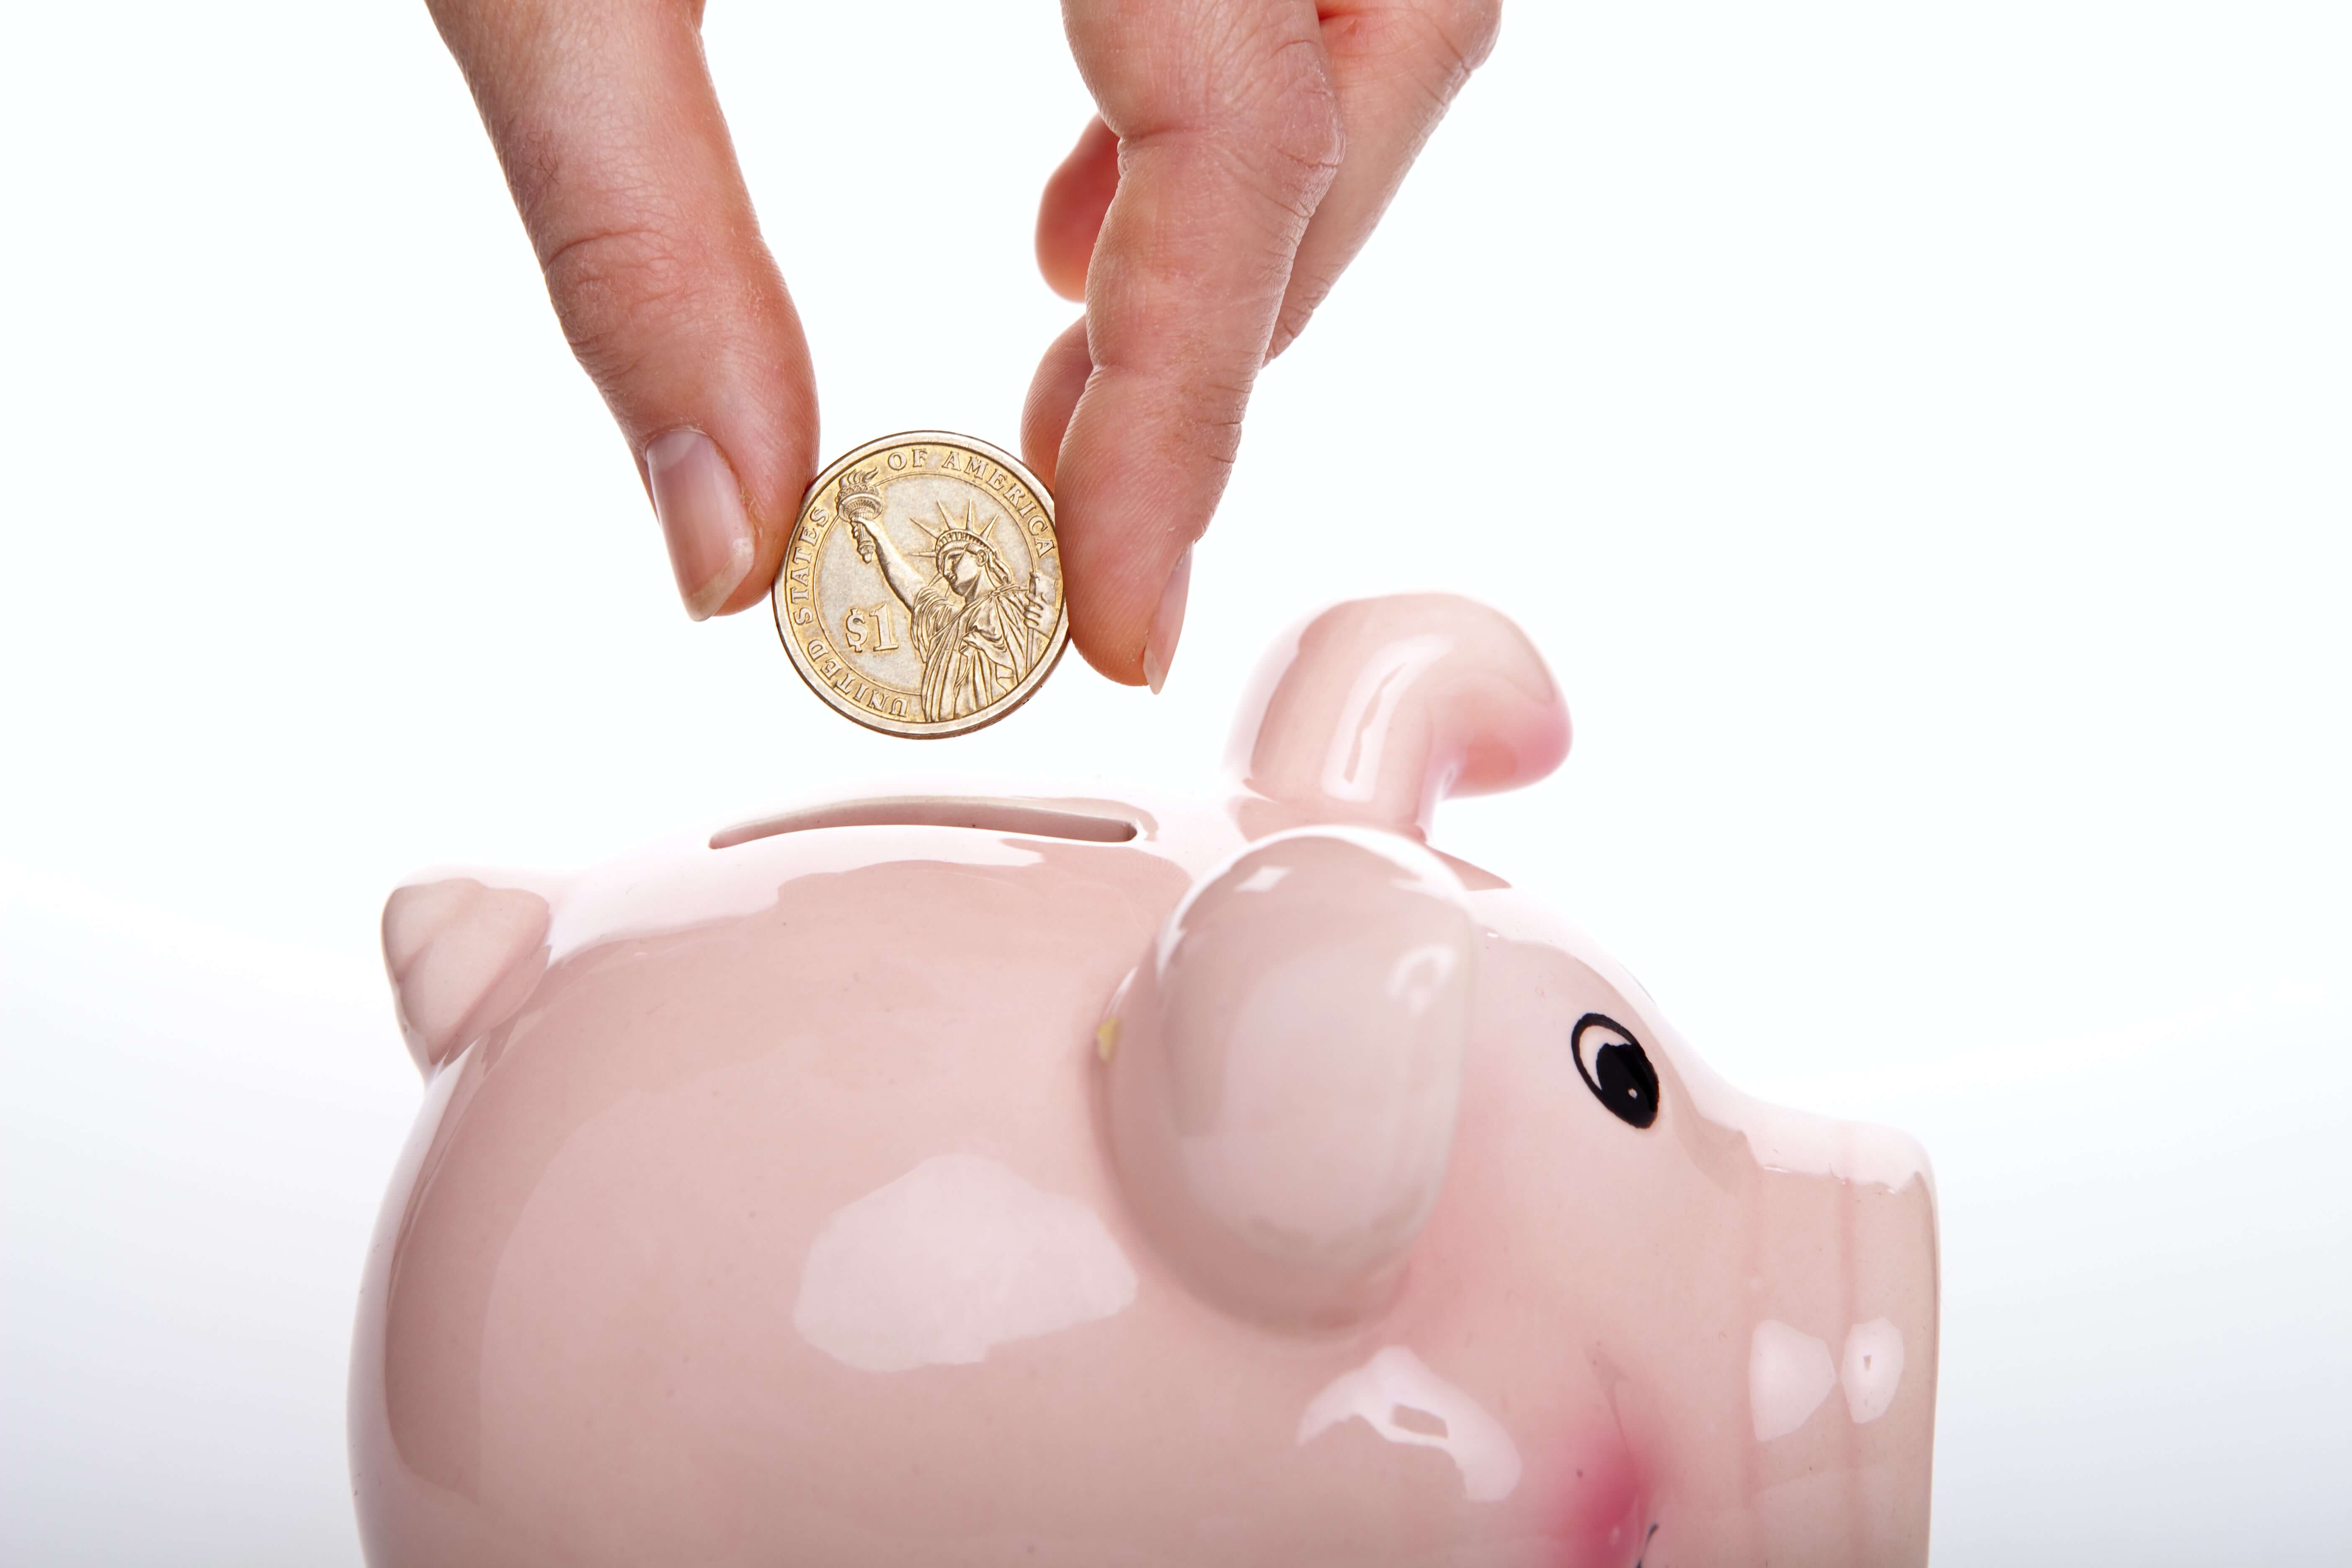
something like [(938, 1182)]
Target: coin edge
[(939, 729)]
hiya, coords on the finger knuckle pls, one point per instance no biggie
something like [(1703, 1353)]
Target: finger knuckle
[(1211, 430), (1294, 115), (610, 287)]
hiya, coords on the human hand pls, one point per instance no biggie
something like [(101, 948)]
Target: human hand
[(1259, 143), (609, 131), (1244, 150)]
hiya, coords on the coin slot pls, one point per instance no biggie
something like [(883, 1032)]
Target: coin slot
[(988, 815)]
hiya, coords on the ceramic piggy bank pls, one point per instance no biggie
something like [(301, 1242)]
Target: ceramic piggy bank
[(1090, 1183)]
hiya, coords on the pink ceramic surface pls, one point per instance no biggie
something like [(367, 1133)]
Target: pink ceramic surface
[(937, 1180)]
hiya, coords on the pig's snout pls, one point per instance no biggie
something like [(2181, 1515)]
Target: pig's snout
[(1283, 1071), (1840, 1346)]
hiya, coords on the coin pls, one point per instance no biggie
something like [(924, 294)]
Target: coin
[(921, 592)]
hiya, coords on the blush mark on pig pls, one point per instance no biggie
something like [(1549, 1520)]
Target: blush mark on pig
[(1595, 1503)]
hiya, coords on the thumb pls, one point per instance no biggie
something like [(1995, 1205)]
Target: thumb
[(610, 134)]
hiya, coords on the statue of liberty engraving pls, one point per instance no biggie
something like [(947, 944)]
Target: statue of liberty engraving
[(977, 632)]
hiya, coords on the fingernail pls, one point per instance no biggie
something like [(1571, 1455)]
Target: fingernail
[(701, 511), (1167, 622)]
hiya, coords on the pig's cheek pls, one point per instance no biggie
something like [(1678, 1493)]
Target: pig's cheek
[(1595, 1498)]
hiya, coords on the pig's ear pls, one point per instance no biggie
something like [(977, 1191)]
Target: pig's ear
[(463, 955), (1284, 1069), (1377, 709)]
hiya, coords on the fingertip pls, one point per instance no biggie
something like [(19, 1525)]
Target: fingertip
[(1054, 394), (1120, 665), (767, 559), (698, 502), (1167, 622), (1126, 528), (1070, 212), (778, 434), (770, 538), (1064, 270)]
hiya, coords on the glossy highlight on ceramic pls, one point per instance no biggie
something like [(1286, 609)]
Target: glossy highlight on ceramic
[(951, 1179)]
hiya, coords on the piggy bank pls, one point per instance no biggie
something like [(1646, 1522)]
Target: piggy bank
[(940, 1180)]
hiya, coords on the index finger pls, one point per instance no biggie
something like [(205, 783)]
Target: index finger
[(610, 133), (1229, 134)]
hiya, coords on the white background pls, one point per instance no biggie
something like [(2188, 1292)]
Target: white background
[(1921, 438)]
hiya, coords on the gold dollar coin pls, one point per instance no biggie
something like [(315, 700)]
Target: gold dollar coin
[(921, 592)]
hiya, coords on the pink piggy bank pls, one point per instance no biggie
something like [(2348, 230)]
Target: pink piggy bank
[(1067, 1182)]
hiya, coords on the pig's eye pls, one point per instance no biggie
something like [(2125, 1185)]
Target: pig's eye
[(1615, 1068)]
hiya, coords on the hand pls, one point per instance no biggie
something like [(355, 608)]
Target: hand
[(606, 122), (1243, 152), (1226, 198)]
